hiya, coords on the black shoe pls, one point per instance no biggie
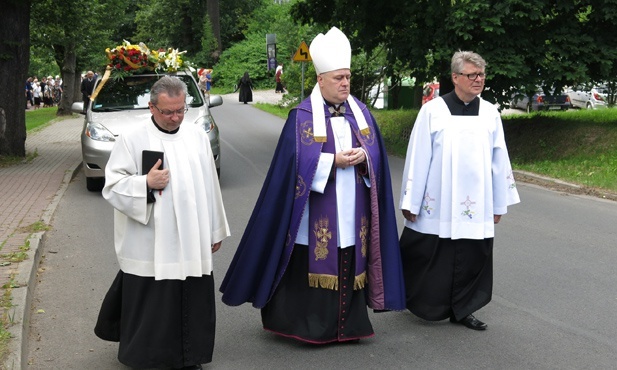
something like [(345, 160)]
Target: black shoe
[(470, 321)]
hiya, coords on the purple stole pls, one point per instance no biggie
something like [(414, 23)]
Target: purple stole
[(323, 239)]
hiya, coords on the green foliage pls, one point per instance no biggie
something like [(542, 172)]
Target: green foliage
[(269, 18), (527, 44), (207, 56), (42, 62), (246, 56), (395, 127), (234, 18)]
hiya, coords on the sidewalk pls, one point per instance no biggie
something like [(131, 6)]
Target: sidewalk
[(30, 194)]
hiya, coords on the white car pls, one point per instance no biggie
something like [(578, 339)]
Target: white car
[(587, 98), (124, 102)]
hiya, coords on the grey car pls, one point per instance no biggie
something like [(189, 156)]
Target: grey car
[(121, 103), (593, 98)]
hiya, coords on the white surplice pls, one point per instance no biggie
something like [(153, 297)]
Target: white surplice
[(457, 173), (171, 238)]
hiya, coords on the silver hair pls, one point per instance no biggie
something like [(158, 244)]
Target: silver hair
[(172, 86), (461, 57)]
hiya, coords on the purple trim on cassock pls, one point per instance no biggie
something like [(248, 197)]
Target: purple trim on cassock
[(323, 253)]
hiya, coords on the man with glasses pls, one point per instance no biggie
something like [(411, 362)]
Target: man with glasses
[(169, 220), (457, 183)]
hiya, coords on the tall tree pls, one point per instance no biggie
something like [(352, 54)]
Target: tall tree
[(213, 11), (77, 33), (543, 43), (14, 60)]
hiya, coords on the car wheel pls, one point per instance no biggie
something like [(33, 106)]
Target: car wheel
[(95, 183)]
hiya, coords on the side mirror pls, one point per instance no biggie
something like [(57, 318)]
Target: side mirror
[(78, 107), (215, 101)]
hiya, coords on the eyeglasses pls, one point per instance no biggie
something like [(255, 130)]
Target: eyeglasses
[(170, 113), (474, 76)]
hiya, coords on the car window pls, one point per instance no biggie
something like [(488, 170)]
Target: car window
[(133, 92)]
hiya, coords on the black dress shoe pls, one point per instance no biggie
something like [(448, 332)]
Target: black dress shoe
[(470, 321)]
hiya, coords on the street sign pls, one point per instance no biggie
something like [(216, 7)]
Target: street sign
[(302, 54)]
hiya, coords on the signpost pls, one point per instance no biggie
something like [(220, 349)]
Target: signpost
[(302, 55), (271, 50)]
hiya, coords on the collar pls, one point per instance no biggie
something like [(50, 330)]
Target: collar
[(162, 129), (319, 115), (335, 110)]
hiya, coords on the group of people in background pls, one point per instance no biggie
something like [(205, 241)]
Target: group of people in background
[(44, 93)]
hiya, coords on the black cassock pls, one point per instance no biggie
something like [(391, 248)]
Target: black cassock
[(445, 277), (159, 323)]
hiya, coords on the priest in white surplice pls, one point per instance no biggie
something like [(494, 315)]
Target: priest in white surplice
[(457, 183), (167, 223)]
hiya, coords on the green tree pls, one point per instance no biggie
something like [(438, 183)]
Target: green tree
[(270, 18), (527, 44), (209, 53), (76, 33)]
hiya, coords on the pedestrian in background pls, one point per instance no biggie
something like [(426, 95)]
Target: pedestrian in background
[(205, 81), (457, 183), (48, 93), (87, 87), (169, 220), (278, 78), (245, 85), (29, 96), (36, 93), (322, 243)]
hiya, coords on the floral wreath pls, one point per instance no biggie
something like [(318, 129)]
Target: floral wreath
[(129, 59)]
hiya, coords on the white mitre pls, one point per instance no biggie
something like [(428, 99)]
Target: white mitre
[(331, 52)]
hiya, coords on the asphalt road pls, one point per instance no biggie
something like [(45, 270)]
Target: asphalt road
[(553, 306)]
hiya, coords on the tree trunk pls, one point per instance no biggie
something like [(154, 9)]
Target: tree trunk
[(67, 69), (215, 18), (14, 61)]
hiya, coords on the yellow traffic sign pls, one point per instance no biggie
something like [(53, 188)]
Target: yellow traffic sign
[(302, 54)]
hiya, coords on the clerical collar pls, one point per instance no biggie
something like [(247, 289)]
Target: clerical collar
[(335, 110), (458, 107), (162, 129)]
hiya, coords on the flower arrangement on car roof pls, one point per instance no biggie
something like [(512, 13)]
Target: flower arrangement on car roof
[(128, 59)]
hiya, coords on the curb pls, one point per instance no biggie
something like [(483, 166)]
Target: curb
[(25, 282)]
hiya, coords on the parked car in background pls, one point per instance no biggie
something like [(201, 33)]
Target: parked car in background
[(122, 103), (540, 101), (593, 98), (430, 92)]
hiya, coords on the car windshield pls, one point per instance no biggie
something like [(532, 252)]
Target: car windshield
[(133, 92)]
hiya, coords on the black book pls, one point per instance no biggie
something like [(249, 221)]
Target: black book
[(148, 160)]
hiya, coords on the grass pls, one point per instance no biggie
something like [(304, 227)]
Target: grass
[(578, 146), (38, 119)]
